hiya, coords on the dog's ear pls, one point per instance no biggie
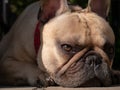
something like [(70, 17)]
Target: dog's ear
[(101, 7), (51, 8)]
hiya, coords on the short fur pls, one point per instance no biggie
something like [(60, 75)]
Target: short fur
[(77, 47)]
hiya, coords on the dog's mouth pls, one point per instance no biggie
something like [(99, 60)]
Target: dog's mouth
[(85, 69)]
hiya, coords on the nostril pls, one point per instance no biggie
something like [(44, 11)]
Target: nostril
[(98, 61), (93, 60)]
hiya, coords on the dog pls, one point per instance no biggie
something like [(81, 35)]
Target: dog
[(76, 46)]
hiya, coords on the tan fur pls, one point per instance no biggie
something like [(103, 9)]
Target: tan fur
[(17, 47), (20, 65), (89, 30), (96, 27)]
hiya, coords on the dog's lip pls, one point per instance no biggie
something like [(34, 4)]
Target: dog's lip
[(60, 71)]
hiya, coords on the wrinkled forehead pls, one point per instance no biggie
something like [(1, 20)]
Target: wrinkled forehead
[(75, 25)]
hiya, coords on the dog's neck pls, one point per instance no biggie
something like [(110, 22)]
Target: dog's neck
[(37, 41)]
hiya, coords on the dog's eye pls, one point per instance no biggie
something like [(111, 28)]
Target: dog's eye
[(109, 49), (66, 47)]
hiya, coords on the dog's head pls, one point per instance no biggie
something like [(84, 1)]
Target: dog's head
[(77, 44)]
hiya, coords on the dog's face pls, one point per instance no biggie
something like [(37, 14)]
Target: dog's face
[(78, 49)]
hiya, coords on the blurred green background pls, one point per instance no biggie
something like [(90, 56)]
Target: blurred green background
[(15, 7)]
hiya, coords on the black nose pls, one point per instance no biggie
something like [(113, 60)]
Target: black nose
[(93, 60)]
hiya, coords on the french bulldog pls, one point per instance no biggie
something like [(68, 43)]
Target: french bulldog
[(76, 46)]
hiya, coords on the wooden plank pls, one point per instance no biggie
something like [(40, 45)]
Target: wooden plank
[(61, 88)]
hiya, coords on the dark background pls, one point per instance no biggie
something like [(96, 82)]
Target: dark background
[(15, 7)]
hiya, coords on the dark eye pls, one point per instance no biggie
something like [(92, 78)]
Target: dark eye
[(109, 49), (66, 47)]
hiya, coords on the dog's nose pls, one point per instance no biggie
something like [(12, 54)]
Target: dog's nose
[(93, 60)]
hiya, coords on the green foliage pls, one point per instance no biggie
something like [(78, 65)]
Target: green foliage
[(17, 6), (82, 3)]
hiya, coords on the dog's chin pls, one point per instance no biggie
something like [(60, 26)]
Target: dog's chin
[(80, 74)]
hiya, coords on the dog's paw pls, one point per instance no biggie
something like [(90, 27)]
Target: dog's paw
[(115, 77), (41, 80), (37, 80), (48, 81)]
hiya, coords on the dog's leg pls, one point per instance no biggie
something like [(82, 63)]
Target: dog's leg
[(14, 72), (115, 77)]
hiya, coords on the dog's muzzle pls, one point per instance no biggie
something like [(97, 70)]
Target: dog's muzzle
[(87, 67), (92, 58)]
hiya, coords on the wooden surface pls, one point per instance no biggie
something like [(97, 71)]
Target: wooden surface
[(61, 88)]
